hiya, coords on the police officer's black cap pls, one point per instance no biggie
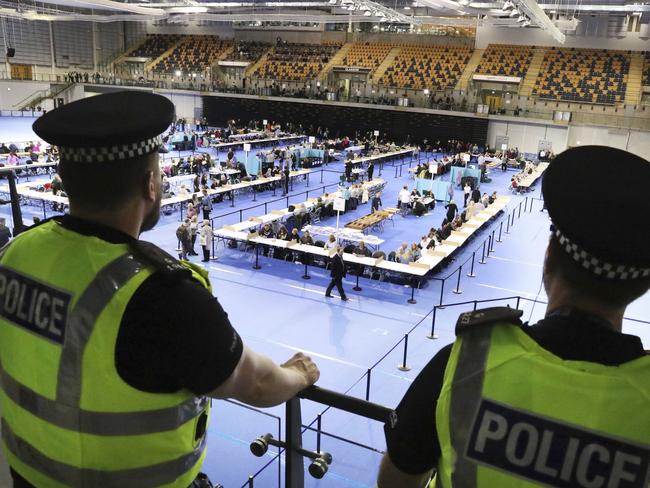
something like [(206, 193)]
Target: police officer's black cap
[(597, 199), (105, 128)]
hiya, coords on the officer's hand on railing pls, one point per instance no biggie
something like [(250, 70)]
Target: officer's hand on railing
[(303, 365)]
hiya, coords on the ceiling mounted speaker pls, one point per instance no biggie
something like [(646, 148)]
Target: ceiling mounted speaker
[(11, 52)]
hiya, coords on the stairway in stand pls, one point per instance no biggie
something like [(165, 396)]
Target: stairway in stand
[(473, 62), (388, 60), (527, 84)]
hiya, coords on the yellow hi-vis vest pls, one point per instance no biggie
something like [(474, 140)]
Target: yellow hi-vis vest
[(68, 419), (512, 414)]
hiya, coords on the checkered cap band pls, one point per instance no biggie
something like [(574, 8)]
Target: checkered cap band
[(105, 154), (598, 266)]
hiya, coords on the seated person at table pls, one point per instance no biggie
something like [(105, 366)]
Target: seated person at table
[(414, 253), (419, 209), (267, 231), (301, 215), (424, 242), (242, 170), (492, 198), (166, 188), (485, 200), (471, 209), (307, 239), (362, 250), (331, 242), (401, 255), (457, 223), (445, 231), (283, 235), (295, 235)]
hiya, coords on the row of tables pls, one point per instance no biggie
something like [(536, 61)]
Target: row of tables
[(528, 180)]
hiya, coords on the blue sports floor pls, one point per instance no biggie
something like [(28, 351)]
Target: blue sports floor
[(278, 313)]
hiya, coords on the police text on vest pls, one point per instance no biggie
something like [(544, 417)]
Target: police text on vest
[(553, 453), (32, 305)]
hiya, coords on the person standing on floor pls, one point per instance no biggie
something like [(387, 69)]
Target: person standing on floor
[(184, 238), (338, 272), (404, 198), (194, 229), (466, 193), (206, 204), (370, 170), (286, 176), (376, 202), (206, 240)]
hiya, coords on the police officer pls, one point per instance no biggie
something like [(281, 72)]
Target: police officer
[(561, 403), (110, 348)]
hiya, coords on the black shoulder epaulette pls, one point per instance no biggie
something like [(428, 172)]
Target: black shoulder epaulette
[(488, 316), (164, 262)]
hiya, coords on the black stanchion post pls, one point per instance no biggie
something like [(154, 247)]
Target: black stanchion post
[(489, 245), (482, 261), (500, 228), (357, 287), (519, 213), (412, 300), (517, 306), (306, 275), (492, 241), (257, 257), (254, 194), (265, 208), (321, 175), (458, 291), (433, 324), (368, 385), (403, 366), (318, 429), (250, 481), (507, 223), (232, 198), (475, 303), (442, 291), (471, 269)]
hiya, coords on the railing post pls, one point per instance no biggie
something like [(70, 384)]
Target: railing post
[(517, 306), (403, 366), (433, 324), (471, 269), (257, 257), (475, 303), (507, 223), (482, 261), (489, 245), (492, 241), (318, 429), (519, 214), (294, 471), (250, 481), (442, 289), (321, 175), (368, 385), (500, 228), (458, 291), (241, 215)]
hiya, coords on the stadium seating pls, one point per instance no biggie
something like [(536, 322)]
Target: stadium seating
[(296, 62), (248, 51), (153, 46), (583, 76), (432, 67), (505, 60), (646, 69), (367, 55), (194, 54)]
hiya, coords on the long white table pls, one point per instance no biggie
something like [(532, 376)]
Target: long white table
[(528, 180)]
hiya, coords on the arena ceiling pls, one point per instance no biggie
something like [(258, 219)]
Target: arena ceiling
[(554, 16)]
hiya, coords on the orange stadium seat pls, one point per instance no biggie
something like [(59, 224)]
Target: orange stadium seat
[(296, 62), (193, 54), (367, 55), (505, 60)]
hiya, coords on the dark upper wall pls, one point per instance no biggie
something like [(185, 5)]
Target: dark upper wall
[(347, 120)]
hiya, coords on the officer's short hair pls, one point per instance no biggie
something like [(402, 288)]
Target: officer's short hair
[(105, 186), (584, 283)]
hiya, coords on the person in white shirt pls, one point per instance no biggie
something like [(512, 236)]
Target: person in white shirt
[(466, 191), (404, 197), (424, 242), (331, 242)]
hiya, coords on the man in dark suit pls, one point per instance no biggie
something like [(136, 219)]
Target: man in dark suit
[(338, 273)]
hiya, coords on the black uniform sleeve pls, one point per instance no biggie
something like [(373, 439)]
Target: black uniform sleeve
[(175, 335), (413, 443)]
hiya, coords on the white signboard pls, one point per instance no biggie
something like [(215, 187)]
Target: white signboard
[(339, 204), (312, 139), (433, 168), (504, 147), (376, 133), (265, 121), (466, 158), (247, 147), (498, 79)]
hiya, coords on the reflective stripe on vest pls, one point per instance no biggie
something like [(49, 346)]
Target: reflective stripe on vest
[(145, 477), (467, 388), (100, 423)]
